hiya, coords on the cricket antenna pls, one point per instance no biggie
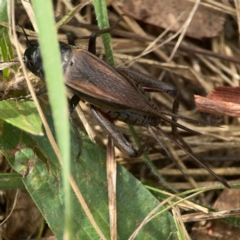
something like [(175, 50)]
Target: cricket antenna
[(28, 42)]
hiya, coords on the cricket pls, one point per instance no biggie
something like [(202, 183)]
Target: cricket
[(116, 94)]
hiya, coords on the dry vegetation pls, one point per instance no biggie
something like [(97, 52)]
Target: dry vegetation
[(197, 54)]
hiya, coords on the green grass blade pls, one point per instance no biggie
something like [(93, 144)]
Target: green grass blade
[(102, 19), (55, 84)]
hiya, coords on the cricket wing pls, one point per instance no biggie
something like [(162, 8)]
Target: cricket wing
[(101, 85)]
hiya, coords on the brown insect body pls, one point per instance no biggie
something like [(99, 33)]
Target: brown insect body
[(114, 94), (101, 85)]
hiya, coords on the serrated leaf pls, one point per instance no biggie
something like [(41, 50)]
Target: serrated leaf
[(22, 114)]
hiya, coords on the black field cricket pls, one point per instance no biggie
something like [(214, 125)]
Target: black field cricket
[(116, 94)]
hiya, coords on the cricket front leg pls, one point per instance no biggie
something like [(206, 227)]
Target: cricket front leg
[(72, 103)]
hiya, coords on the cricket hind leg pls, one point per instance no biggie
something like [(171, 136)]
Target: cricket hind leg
[(148, 83), (120, 141), (178, 140), (152, 85)]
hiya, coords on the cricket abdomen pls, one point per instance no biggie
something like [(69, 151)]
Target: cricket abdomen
[(133, 118)]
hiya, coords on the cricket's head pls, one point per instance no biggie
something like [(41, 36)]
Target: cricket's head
[(33, 59)]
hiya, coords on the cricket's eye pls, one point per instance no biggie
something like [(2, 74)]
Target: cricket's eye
[(71, 63)]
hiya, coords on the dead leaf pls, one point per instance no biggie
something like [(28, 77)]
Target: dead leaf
[(162, 13), (229, 202)]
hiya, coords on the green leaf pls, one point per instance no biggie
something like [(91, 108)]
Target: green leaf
[(5, 43), (22, 114), (11, 181), (33, 157)]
